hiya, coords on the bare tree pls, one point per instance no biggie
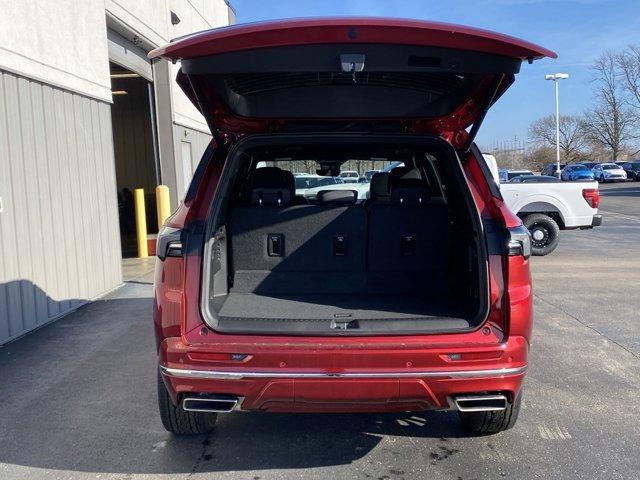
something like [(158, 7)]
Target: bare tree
[(609, 124), (572, 135), (536, 158), (628, 63)]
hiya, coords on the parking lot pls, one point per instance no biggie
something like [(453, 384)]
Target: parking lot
[(78, 396)]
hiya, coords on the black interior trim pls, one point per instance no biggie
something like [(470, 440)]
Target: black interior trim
[(425, 325)]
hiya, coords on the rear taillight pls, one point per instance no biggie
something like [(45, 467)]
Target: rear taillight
[(519, 241), (592, 196), (169, 243)]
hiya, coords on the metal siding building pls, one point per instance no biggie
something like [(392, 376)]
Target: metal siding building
[(60, 174)]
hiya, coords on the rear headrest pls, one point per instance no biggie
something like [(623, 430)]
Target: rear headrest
[(278, 197), (410, 196), (379, 186), (272, 186), (402, 174), (337, 197), (408, 187)]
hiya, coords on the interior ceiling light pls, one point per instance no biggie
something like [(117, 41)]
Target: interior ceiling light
[(119, 92)]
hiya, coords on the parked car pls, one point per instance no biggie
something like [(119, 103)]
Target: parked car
[(508, 175), (417, 299), (349, 176), (366, 176), (551, 169), (633, 170), (534, 179), (589, 165), (576, 172), (547, 209), (609, 172), (306, 182), (361, 189), (620, 163)]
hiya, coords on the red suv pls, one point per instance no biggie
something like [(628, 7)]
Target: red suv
[(409, 295)]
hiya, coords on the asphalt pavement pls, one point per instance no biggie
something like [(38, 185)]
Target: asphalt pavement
[(78, 399)]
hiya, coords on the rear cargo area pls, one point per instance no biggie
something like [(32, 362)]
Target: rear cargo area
[(406, 259)]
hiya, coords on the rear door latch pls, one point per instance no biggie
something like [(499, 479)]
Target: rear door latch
[(342, 321), (352, 63)]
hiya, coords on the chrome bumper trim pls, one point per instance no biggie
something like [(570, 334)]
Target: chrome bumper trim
[(240, 375)]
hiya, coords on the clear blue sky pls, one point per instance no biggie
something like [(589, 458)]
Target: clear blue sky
[(578, 30)]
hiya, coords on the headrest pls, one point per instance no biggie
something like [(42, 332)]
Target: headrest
[(337, 197), (278, 197), (272, 186), (410, 196), (408, 187), (379, 186), (403, 174)]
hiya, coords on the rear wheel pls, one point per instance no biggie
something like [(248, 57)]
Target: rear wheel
[(545, 233), (179, 421), (491, 422)]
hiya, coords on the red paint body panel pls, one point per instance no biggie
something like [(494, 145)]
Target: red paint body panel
[(342, 355), (344, 30), (348, 30), (506, 345), (184, 342)]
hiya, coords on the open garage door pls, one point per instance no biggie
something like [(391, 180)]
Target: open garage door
[(125, 53), (134, 135)]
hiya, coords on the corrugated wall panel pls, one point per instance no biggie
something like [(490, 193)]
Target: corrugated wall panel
[(198, 141), (59, 233)]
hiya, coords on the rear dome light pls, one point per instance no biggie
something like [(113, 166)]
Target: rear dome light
[(592, 196)]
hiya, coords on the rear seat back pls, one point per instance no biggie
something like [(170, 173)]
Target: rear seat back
[(407, 237), (279, 248)]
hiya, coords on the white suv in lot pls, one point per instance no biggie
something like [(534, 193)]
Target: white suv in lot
[(349, 176)]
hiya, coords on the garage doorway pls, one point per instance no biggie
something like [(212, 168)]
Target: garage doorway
[(135, 148)]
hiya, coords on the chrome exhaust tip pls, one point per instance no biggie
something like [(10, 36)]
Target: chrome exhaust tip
[(480, 403), (210, 404)]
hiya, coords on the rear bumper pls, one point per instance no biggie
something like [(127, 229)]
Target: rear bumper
[(428, 380), (597, 220)]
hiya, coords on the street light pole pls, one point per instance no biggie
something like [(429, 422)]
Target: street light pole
[(557, 128), (556, 77)]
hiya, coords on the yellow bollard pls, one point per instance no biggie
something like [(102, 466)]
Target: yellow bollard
[(162, 202), (141, 223)]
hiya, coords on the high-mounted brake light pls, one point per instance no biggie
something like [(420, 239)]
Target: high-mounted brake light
[(519, 241), (592, 196)]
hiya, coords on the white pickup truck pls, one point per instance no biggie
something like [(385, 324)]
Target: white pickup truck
[(547, 208)]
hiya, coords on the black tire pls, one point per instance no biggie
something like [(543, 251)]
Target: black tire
[(485, 423), (177, 420), (541, 223)]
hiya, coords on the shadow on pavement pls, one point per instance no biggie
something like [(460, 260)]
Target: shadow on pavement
[(627, 191), (79, 395)]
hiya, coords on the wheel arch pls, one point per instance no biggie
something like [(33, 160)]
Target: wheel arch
[(554, 210)]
